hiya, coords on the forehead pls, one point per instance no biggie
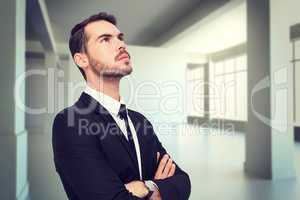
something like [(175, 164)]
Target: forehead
[(94, 29)]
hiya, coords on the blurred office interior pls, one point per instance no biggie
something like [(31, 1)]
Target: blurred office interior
[(218, 79)]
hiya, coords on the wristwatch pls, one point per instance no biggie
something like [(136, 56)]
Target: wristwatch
[(151, 188)]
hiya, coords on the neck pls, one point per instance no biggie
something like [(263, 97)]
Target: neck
[(108, 86)]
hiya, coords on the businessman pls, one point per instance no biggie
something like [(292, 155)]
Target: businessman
[(102, 150)]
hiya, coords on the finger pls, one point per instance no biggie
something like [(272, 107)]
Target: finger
[(172, 171), (167, 168), (128, 187), (162, 164), (157, 157)]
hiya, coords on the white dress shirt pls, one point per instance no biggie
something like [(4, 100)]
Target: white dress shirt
[(113, 107)]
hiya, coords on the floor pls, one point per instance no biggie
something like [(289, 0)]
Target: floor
[(214, 162), (215, 165)]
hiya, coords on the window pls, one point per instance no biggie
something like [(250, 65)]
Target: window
[(296, 63), (195, 80), (228, 88)]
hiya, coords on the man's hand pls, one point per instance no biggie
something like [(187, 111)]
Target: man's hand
[(166, 167), (137, 188), (155, 195)]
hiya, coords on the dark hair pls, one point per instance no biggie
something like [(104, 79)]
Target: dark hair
[(78, 38)]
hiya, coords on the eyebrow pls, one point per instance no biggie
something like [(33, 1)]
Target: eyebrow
[(109, 35)]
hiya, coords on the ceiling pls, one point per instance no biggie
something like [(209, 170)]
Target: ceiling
[(143, 22)]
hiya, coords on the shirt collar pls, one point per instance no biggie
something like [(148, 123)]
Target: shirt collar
[(109, 103)]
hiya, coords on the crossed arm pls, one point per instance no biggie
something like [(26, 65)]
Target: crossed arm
[(84, 170), (166, 169), (172, 182)]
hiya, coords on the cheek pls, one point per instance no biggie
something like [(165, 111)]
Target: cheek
[(102, 58), (107, 56)]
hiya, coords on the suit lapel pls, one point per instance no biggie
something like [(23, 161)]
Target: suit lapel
[(110, 120), (139, 129), (110, 124)]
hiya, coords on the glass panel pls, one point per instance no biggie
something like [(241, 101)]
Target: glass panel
[(241, 63), (219, 100), (198, 98), (189, 97), (229, 66), (230, 96), (198, 73), (241, 103), (219, 68), (188, 74)]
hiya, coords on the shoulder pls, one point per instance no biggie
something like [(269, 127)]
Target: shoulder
[(70, 126), (137, 115), (60, 121), (68, 116), (72, 114), (63, 114), (141, 120)]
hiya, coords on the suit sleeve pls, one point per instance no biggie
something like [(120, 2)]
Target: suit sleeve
[(82, 166), (177, 187)]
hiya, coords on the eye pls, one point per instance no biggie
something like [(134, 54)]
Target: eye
[(105, 39), (121, 38)]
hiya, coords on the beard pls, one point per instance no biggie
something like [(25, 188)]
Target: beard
[(106, 71)]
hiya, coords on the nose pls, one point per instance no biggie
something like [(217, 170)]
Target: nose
[(121, 45)]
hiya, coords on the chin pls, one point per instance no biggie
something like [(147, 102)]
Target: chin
[(126, 71), (126, 68), (117, 71)]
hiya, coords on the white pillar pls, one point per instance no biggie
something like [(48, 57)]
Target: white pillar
[(13, 141), (269, 139)]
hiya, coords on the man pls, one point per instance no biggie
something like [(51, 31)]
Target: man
[(103, 151)]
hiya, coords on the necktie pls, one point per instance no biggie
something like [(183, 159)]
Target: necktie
[(123, 115)]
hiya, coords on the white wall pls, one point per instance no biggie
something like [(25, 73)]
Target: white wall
[(224, 28)]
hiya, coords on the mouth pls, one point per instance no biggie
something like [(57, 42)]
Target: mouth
[(124, 56)]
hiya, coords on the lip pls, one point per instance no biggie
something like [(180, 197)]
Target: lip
[(123, 56)]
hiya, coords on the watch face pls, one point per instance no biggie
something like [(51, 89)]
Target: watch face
[(150, 185)]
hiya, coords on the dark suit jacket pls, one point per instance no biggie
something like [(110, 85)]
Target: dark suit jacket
[(94, 160)]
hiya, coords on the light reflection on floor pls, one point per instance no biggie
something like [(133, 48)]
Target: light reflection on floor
[(215, 165)]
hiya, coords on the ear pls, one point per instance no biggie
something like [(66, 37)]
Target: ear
[(81, 60)]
